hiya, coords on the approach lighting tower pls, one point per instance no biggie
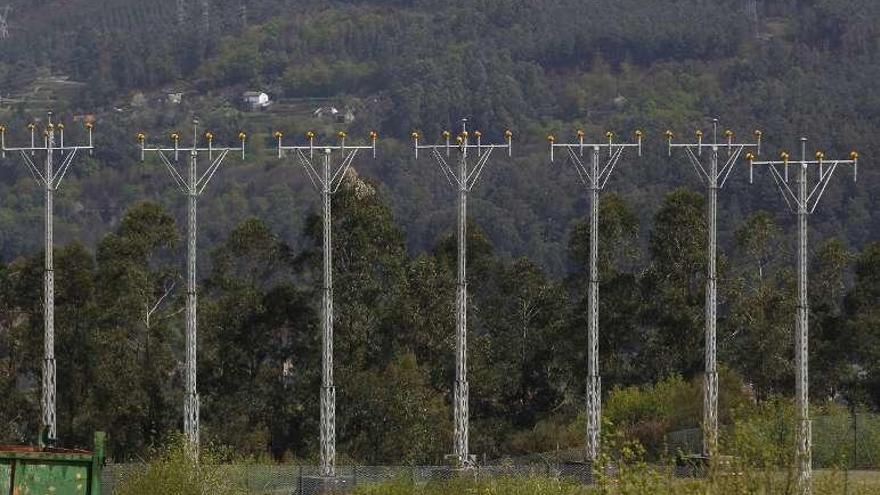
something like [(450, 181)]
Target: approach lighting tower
[(713, 177), (50, 178), (594, 178), (464, 178), (193, 185), (803, 202), (4, 22), (327, 182)]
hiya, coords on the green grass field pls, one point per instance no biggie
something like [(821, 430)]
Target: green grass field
[(825, 482)]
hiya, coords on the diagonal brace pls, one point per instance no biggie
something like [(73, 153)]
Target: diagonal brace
[(210, 171), (339, 175), (787, 194), (35, 171), (725, 171), (65, 165), (582, 171), (819, 190), (178, 179), (444, 166), (605, 174), (474, 176), (310, 170), (698, 166)]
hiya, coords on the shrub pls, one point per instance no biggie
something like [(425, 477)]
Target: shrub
[(173, 471)]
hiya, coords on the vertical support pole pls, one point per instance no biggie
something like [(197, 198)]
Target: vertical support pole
[(803, 434), (594, 380), (181, 12), (97, 462), (206, 16), (191, 400), (328, 391), (710, 389), (48, 392), (461, 383)]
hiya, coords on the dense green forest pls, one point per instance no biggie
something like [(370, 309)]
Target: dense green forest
[(119, 332), (802, 68), (798, 67)]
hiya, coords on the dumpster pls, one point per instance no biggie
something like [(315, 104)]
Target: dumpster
[(32, 470)]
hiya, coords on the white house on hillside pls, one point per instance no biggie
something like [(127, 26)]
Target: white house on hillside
[(255, 100)]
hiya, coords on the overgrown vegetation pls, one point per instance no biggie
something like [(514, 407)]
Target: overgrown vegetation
[(756, 460), (173, 470)]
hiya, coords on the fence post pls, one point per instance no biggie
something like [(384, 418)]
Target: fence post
[(855, 438)]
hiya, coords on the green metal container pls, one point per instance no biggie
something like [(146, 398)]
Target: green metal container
[(29, 470)]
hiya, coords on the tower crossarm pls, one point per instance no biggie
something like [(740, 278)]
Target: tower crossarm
[(577, 150), (825, 167), (170, 156), (464, 145), (306, 154), (694, 151), (49, 145)]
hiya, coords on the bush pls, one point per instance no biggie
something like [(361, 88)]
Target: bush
[(173, 471)]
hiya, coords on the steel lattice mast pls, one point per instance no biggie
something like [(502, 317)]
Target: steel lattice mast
[(464, 179), (50, 178), (714, 178), (4, 22), (327, 182), (192, 186), (803, 203), (595, 179)]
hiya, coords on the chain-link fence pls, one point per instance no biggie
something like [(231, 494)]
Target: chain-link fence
[(842, 441), (306, 480)]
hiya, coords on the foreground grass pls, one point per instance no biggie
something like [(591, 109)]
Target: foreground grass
[(173, 472), (645, 483), (495, 486)]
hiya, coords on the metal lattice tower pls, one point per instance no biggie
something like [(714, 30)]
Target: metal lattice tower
[(4, 22), (327, 182), (803, 203), (714, 178), (752, 16), (206, 16), (464, 179), (181, 12), (192, 186), (50, 178), (595, 179)]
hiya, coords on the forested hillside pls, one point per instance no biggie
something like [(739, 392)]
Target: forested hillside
[(797, 67), (803, 68)]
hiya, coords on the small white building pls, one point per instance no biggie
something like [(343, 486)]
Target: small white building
[(255, 100), (333, 114)]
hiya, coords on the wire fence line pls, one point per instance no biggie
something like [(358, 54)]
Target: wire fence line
[(307, 480), (843, 441)]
